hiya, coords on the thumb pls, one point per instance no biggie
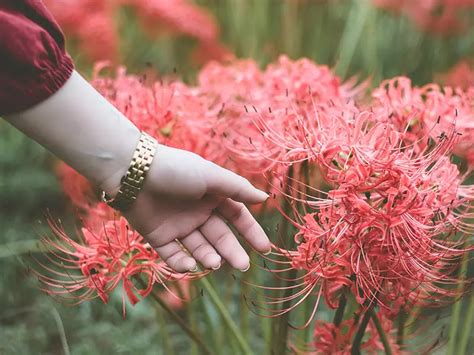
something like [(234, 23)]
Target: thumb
[(226, 183)]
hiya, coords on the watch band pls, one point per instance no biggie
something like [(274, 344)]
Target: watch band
[(132, 182)]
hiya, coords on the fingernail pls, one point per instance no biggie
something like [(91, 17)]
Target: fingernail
[(246, 269), (268, 252), (262, 194), (216, 267), (194, 269)]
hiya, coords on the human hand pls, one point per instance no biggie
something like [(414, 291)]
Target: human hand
[(187, 200), (184, 198)]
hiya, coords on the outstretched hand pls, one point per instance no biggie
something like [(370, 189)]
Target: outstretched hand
[(185, 198), (186, 203)]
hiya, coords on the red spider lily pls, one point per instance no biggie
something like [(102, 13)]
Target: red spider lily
[(438, 16), (80, 192), (331, 339), (460, 76), (88, 19), (76, 187), (91, 22), (101, 261), (428, 111), (391, 227), (176, 16), (175, 114), (263, 109)]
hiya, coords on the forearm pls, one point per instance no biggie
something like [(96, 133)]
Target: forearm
[(82, 128)]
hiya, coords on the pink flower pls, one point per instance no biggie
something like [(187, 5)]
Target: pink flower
[(101, 261), (438, 16), (93, 24), (460, 76), (76, 187), (393, 223), (177, 16), (427, 111)]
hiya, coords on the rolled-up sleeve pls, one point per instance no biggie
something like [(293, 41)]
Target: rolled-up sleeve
[(33, 60)]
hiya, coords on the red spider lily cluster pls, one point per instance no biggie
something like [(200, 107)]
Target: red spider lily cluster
[(367, 181), (437, 16), (93, 23), (392, 221)]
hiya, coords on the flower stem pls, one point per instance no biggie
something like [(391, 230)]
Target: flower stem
[(226, 316), (191, 318), (383, 336), (411, 320), (209, 323), (453, 329), (280, 329), (466, 331), (352, 34), (193, 335), (165, 336), (402, 317), (357, 342), (338, 317), (62, 332), (244, 289)]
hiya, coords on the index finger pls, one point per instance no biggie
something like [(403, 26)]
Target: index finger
[(240, 217), (226, 183)]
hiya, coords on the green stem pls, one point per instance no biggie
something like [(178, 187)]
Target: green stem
[(291, 30), (307, 310), (401, 327), (283, 322), (453, 329), (164, 334), (357, 342), (226, 316), (466, 331), (280, 330), (228, 299), (265, 323), (210, 327), (410, 322), (192, 322), (339, 315), (62, 332), (244, 289), (352, 33), (383, 336), (189, 332)]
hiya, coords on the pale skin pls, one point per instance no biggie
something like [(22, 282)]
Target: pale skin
[(185, 198)]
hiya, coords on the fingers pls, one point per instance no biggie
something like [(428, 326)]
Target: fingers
[(224, 182), (176, 257), (238, 215), (201, 250), (218, 233)]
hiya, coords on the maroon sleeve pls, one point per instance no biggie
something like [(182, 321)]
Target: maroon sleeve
[(33, 60)]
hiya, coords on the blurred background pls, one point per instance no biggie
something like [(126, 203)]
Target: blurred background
[(428, 41)]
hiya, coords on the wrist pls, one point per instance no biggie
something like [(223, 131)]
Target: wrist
[(119, 164), (132, 181)]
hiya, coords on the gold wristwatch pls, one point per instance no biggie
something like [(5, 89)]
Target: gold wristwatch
[(132, 182)]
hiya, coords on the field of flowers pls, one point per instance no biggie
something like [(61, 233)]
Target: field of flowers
[(357, 116)]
